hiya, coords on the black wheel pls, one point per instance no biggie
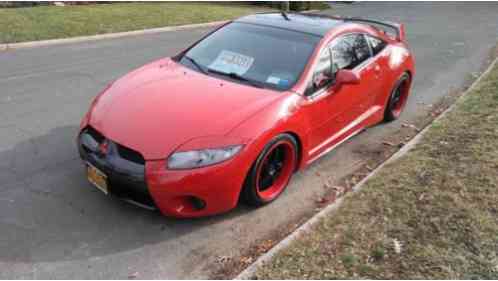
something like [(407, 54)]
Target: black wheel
[(271, 172), (398, 98)]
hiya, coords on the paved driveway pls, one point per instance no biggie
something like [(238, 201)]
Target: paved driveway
[(53, 224)]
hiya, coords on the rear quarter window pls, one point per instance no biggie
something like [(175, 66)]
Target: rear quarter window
[(350, 51)]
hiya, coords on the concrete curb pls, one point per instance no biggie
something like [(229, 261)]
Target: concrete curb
[(31, 44), (249, 272)]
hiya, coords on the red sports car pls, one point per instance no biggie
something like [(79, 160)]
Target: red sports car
[(238, 112)]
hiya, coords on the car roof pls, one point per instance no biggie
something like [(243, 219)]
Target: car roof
[(314, 24)]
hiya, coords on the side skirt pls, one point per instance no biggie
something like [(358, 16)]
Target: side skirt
[(357, 122), (334, 146)]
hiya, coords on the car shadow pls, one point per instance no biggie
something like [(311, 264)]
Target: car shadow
[(49, 212)]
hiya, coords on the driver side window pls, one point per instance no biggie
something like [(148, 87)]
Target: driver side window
[(322, 74), (324, 63)]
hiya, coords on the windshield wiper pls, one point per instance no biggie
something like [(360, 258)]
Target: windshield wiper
[(236, 76), (194, 62)]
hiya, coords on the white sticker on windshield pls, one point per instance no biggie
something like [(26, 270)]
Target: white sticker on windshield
[(230, 62), (272, 80), (278, 80)]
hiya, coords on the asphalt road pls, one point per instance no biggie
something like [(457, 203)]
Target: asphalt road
[(53, 224)]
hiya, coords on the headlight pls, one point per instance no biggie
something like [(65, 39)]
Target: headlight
[(200, 158)]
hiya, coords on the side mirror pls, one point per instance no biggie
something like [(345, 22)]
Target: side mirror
[(321, 80), (345, 76)]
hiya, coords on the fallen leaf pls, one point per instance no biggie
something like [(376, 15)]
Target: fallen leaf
[(223, 259), (354, 179), (265, 246), (339, 189), (246, 260), (406, 125), (397, 246)]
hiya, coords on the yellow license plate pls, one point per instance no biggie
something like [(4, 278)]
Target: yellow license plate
[(97, 178)]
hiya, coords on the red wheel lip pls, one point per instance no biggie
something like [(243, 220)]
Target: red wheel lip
[(283, 179), (400, 105)]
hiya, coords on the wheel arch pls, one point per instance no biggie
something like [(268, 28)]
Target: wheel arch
[(299, 147), (410, 74), (395, 82), (405, 77), (269, 138)]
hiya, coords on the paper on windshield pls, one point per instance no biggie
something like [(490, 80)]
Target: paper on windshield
[(231, 62), (276, 79)]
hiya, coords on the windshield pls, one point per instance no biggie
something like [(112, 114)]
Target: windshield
[(257, 55)]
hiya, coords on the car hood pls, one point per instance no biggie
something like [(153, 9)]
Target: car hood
[(162, 105)]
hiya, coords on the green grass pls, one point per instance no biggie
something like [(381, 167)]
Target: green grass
[(50, 22), (432, 214)]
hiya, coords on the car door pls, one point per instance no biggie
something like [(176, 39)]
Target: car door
[(328, 103), (340, 109), (353, 52)]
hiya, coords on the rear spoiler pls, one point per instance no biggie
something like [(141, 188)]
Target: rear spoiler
[(398, 28)]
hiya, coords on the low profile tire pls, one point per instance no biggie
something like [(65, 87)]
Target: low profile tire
[(271, 172), (398, 98)]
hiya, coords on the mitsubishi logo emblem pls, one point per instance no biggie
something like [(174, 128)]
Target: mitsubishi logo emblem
[(103, 147)]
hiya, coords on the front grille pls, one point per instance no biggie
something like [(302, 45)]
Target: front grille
[(130, 154), (124, 167), (98, 137), (123, 151)]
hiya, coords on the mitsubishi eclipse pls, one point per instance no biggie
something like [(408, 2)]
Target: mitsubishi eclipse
[(236, 114)]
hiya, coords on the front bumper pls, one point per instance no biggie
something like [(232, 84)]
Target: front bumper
[(217, 187), (124, 168), (178, 193)]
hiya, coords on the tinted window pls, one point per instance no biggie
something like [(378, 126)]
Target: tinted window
[(323, 65), (350, 51), (272, 57), (322, 70), (376, 44)]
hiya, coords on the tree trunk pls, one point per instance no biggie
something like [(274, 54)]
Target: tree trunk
[(285, 6)]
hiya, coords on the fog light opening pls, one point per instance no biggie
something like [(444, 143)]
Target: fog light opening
[(197, 203)]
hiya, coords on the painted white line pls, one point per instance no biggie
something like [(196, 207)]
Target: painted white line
[(31, 44), (249, 272)]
